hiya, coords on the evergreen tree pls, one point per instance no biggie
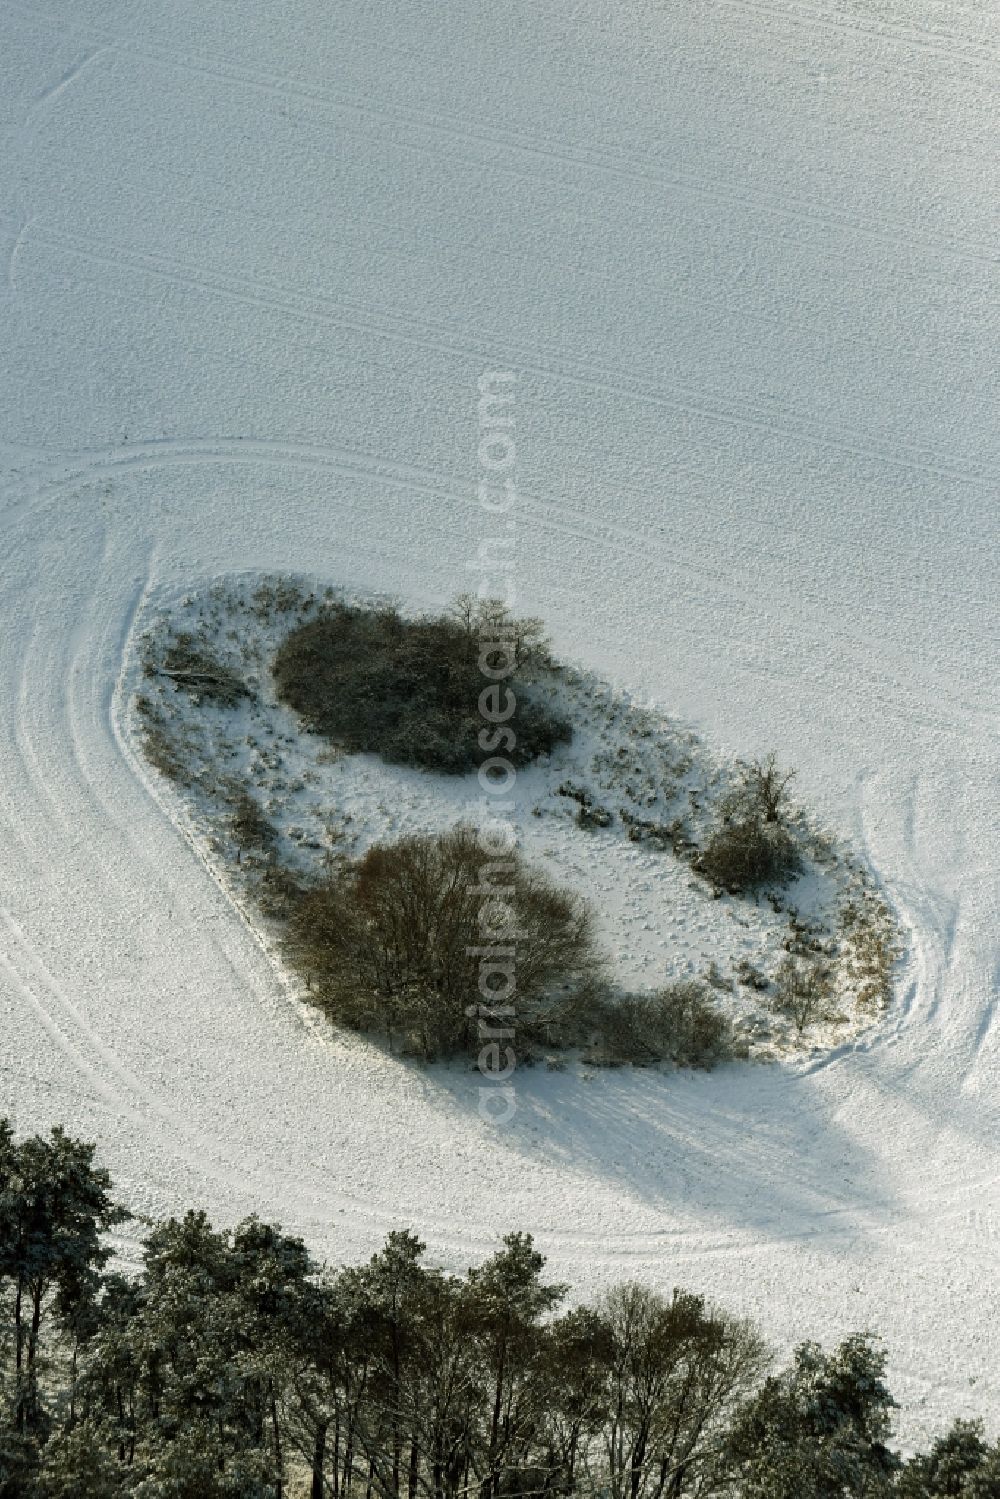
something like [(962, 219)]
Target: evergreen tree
[(55, 1205), (509, 1303), (819, 1430), (77, 1464), (960, 1465), (191, 1370)]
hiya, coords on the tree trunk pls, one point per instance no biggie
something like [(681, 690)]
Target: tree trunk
[(19, 1344), (318, 1461), (491, 1485), (121, 1422), (638, 1458), (276, 1434), (27, 1406)]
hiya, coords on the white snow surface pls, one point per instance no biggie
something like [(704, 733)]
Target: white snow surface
[(743, 258)]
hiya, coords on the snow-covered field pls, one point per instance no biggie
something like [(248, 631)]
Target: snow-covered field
[(743, 257)]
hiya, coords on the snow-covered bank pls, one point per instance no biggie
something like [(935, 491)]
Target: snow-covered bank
[(743, 259)]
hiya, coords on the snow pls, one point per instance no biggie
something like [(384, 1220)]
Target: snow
[(742, 256)]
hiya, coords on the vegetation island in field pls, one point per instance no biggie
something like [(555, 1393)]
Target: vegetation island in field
[(667, 906)]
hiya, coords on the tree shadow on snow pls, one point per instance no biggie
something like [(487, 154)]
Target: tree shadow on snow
[(753, 1149)]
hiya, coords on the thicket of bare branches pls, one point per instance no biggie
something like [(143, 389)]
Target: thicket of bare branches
[(412, 690), (680, 1023)]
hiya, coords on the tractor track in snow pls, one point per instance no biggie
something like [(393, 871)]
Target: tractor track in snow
[(611, 160)]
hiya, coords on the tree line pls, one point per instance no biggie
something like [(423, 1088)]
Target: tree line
[(233, 1367)]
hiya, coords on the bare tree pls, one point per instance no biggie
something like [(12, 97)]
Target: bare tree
[(803, 991), (767, 788), (751, 844), (675, 1373), (491, 620)]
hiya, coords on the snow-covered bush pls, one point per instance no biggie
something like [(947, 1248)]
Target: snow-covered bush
[(249, 826)]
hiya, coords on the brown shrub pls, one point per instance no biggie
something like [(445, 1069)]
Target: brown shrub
[(744, 855), (680, 1023), (409, 690), (394, 943)]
